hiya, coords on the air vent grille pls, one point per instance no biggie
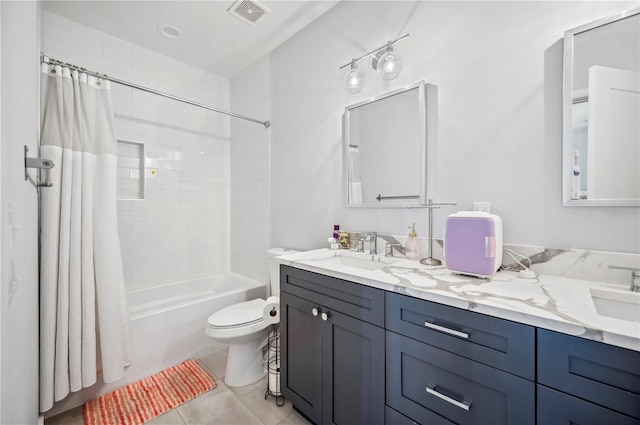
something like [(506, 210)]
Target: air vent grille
[(249, 11)]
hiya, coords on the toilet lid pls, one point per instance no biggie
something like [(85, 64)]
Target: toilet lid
[(244, 313)]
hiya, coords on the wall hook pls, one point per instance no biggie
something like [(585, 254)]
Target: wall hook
[(37, 163)]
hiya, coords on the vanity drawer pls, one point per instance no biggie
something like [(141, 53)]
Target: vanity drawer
[(359, 301), (496, 342), (601, 373), (434, 386), (556, 408), (393, 417)]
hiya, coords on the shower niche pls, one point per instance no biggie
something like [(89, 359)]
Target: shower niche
[(131, 169)]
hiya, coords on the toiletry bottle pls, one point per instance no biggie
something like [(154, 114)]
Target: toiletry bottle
[(334, 240), (575, 177), (412, 247)]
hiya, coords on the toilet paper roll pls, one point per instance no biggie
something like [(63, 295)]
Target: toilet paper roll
[(271, 311), (274, 380)]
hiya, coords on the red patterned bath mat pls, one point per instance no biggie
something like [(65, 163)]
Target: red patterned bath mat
[(142, 401)]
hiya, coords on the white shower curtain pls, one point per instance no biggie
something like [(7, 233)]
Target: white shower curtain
[(355, 182), (83, 321)]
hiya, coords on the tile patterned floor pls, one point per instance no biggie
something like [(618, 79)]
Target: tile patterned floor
[(220, 406)]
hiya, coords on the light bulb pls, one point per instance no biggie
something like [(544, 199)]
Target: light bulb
[(353, 79), (389, 65)]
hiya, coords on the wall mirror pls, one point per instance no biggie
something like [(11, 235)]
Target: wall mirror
[(601, 106), (387, 141)]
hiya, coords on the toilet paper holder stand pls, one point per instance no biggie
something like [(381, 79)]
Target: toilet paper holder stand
[(273, 363)]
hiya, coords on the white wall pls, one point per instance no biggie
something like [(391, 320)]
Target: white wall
[(250, 96), (18, 206), (498, 68), (181, 231)]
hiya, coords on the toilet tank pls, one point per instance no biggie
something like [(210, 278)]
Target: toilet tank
[(274, 268)]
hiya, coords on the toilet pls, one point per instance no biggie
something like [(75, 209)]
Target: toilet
[(244, 329)]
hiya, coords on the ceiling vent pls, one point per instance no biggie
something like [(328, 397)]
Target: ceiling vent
[(249, 11)]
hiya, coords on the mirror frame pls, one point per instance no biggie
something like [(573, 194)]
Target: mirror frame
[(567, 102), (428, 110)]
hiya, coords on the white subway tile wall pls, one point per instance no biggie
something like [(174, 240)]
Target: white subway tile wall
[(181, 230), (131, 170), (250, 159)]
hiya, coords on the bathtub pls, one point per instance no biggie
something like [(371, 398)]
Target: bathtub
[(167, 322), (167, 326)]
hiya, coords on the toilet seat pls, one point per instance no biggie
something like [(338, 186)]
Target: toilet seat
[(238, 315), (244, 329), (238, 323)]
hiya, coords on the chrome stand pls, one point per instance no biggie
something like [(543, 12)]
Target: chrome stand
[(273, 366), (430, 261)]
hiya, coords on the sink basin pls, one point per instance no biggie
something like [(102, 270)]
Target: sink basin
[(361, 263), (356, 260), (617, 305)]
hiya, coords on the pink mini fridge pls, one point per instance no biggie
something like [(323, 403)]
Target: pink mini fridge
[(473, 243)]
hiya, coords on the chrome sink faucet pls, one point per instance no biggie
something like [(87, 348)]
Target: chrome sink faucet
[(635, 277), (388, 249), (373, 241)]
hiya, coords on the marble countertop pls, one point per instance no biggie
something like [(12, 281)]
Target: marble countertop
[(550, 302)]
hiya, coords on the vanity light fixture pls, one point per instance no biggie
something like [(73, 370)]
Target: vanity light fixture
[(386, 61), (353, 79)]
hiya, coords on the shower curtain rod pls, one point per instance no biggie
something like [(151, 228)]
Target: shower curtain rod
[(50, 61)]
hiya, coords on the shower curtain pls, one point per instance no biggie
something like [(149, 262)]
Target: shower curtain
[(83, 321), (355, 183)]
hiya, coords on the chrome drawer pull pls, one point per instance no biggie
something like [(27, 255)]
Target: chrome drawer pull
[(460, 404), (447, 330)]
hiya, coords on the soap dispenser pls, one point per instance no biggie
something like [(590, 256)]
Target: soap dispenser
[(412, 247)]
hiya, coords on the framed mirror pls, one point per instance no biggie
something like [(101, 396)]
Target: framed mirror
[(387, 141), (601, 106)]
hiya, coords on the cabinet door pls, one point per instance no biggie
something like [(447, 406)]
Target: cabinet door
[(300, 355), (353, 371), (556, 408)]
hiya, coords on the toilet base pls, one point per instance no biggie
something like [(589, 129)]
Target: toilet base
[(245, 363)]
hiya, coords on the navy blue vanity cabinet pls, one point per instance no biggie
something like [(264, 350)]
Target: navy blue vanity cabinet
[(393, 417), (332, 348), (580, 375), (498, 343), (447, 365), (301, 355), (557, 408)]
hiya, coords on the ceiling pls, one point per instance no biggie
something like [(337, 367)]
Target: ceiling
[(212, 39)]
